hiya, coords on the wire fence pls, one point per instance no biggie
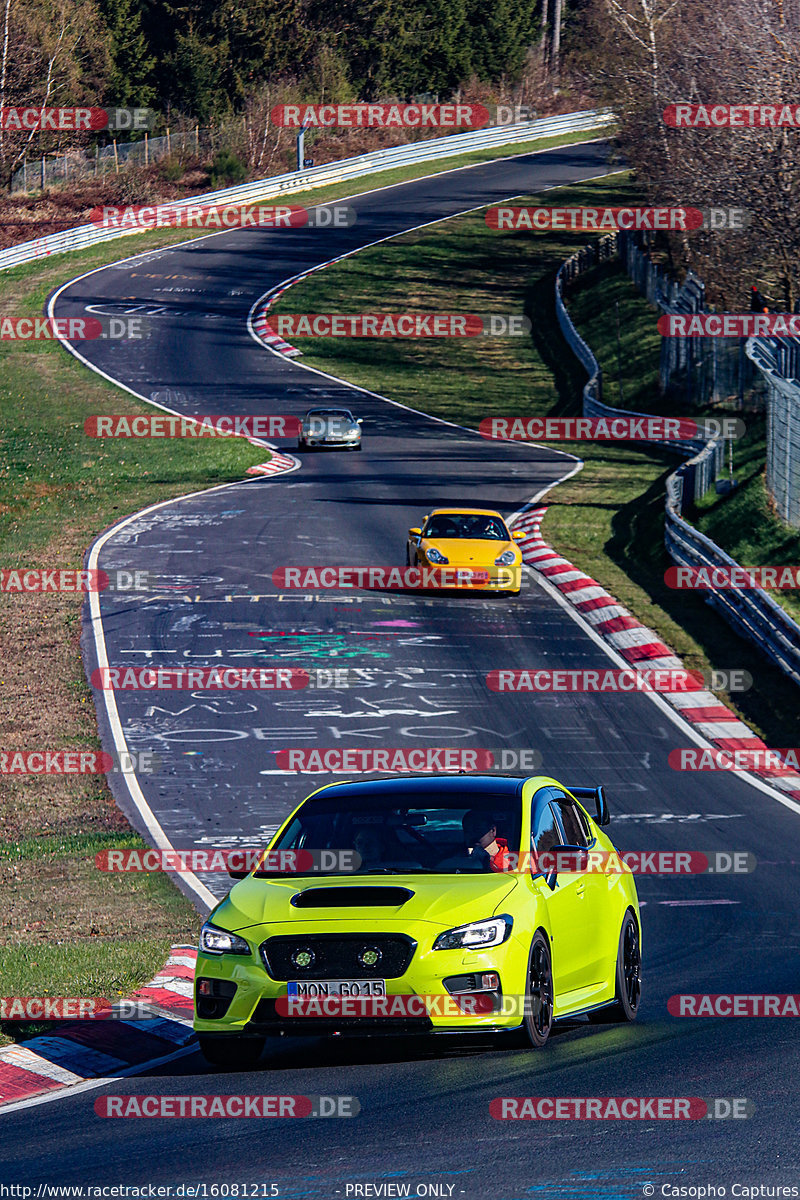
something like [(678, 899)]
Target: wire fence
[(36, 174), (694, 372), (698, 474), (778, 362), (751, 612)]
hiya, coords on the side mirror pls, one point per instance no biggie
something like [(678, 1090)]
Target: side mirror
[(359, 421), (517, 535), (415, 533), (572, 859), (241, 874)]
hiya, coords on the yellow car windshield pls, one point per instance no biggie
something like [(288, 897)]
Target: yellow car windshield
[(466, 525), (435, 834)]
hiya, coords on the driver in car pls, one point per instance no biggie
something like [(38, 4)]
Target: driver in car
[(483, 844)]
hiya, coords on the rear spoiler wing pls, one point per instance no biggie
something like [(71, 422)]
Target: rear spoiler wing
[(598, 795)]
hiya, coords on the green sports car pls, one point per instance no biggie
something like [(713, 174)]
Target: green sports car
[(480, 903)]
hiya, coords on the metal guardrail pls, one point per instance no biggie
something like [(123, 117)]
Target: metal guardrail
[(778, 360), (753, 613), (588, 121), (706, 458)]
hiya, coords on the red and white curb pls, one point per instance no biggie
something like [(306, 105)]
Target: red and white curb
[(640, 646), (276, 465), (261, 325), (81, 1050)]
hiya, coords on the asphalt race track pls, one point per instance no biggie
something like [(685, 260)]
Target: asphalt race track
[(417, 678)]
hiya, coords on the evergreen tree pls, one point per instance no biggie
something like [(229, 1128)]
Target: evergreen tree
[(130, 83)]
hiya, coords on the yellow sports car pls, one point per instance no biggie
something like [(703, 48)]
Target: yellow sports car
[(470, 539), (477, 903)]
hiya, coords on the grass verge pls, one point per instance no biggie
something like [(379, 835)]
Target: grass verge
[(609, 518)]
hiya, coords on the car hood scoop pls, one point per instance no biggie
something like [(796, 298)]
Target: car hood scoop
[(351, 897)]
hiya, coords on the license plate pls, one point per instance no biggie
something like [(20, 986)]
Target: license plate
[(312, 989)]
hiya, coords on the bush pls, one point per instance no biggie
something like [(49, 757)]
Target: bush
[(171, 170), (227, 168)]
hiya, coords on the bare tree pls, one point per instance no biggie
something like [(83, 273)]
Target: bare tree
[(53, 53), (648, 54)]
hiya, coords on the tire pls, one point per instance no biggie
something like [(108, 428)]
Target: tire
[(235, 1052), (628, 977), (538, 1019)]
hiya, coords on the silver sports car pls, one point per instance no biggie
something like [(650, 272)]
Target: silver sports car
[(330, 427)]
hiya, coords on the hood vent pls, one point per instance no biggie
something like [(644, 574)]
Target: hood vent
[(351, 897)]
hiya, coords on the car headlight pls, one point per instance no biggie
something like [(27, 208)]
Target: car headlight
[(219, 941), (477, 935), (506, 559), (436, 556)]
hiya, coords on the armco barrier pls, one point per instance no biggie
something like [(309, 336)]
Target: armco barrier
[(589, 121), (753, 613), (701, 469), (778, 360)]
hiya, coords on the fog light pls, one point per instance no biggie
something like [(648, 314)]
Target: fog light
[(369, 957), (204, 987), (490, 982), (303, 958)]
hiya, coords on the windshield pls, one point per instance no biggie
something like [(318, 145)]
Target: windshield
[(432, 833), (330, 414), (466, 525)]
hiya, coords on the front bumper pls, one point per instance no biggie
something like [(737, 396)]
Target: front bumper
[(254, 1008), (500, 579), (332, 442)]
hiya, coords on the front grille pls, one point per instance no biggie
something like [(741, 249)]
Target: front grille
[(335, 956)]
